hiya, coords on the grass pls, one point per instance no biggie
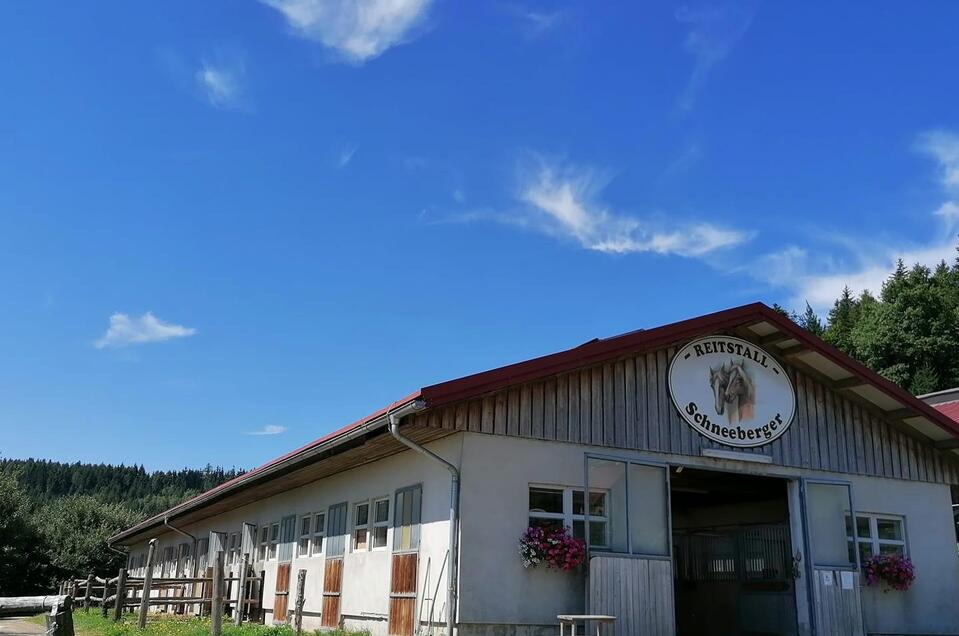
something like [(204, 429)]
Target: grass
[(93, 624)]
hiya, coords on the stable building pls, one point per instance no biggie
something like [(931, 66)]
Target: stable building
[(729, 474)]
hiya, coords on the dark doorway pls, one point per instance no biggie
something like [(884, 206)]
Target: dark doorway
[(732, 557)]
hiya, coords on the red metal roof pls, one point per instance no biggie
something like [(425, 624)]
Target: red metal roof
[(588, 353), (949, 409)]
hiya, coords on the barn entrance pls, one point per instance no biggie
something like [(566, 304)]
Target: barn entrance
[(733, 568)]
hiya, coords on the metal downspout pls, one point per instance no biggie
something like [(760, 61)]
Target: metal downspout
[(194, 560), (453, 572)]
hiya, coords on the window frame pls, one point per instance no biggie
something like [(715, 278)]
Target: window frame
[(873, 540), (263, 541), (308, 536), (318, 536), (233, 548), (371, 524), (567, 516), (274, 544)]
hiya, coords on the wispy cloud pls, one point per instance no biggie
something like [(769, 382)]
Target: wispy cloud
[(535, 23), (270, 429), (221, 85), (563, 201), (346, 155), (713, 32), (356, 30), (864, 264), (124, 331)]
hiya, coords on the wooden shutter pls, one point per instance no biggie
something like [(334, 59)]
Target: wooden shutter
[(281, 598), (403, 573), (287, 539), (333, 566)]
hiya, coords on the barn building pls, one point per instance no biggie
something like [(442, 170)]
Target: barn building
[(730, 474)]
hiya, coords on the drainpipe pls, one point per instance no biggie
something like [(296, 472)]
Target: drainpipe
[(394, 418), (194, 560)]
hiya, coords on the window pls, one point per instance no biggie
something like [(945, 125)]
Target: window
[(361, 526), (319, 531), (876, 534), (381, 522), (406, 519), (303, 543), (554, 507), (233, 552), (264, 542), (274, 540)]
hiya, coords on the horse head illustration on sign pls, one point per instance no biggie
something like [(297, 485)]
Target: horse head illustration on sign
[(734, 392)]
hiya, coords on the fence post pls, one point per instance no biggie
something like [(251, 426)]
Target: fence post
[(298, 607), (86, 594), (147, 581), (216, 609), (103, 597), (121, 594), (241, 592), (60, 618)]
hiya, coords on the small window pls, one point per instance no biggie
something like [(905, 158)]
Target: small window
[(274, 540), (303, 543), (876, 534), (264, 543), (319, 531), (361, 526), (381, 522), (556, 507), (233, 552)]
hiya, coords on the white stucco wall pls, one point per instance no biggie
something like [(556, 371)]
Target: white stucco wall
[(495, 588), (366, 575)]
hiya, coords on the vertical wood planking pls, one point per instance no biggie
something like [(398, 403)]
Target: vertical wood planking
[(620, 429), (525, 411), (488, 416), (549, 409), (652, 404), (501, 408), (642, 414), (629, 398), (596, 405), (536, 410), (663, 400), (802, 421), (562, 408), (512, 412)]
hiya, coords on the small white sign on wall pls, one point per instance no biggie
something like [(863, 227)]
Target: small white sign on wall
[(732, 391), (846, 580)]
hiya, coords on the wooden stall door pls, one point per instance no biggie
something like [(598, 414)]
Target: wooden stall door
[(332, 586), (333, 567), (403, 594), (281, 597)]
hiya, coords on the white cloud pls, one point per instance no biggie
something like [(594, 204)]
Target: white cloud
[(221, 85), (346, 155), (713, 32), (943, 146), (270, 429), (357, 30), (124, 331), (562, 202), (868, 263)]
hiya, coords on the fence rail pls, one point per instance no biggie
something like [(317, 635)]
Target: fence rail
[(213, 594)]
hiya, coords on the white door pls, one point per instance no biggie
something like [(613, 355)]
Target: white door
[(833, 561)]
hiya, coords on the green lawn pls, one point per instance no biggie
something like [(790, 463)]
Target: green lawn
[(93, 624)]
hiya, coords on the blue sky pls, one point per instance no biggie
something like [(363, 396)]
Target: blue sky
[(236, 217)]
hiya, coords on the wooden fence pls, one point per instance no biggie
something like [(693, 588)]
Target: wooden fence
[(240, 597)]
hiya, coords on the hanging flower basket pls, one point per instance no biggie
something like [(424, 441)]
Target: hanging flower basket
[(553, 546), (893, 570)]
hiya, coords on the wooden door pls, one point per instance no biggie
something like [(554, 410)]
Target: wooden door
[(333, 566), (332, 588), (403, 594), (281, 598), (405, 561)]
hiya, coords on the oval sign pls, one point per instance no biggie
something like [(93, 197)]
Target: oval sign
[(732, 391)]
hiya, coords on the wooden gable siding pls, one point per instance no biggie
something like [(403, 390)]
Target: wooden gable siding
[(625, 404)]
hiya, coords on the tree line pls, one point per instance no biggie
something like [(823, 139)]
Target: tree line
[(55, 518), (908, 331)]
